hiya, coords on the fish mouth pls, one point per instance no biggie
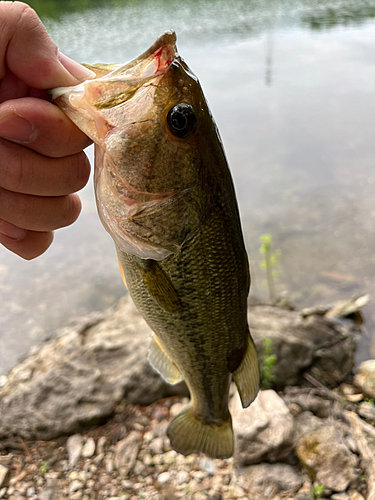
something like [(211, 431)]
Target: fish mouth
[(120, 84)]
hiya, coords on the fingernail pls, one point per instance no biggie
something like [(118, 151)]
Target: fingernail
[(13, 232), (75, 69), (16, 128)]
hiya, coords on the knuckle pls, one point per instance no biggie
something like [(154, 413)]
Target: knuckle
[(67, 212), (27, 18), (13, 173)]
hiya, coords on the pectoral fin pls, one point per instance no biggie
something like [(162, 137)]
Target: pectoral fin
[(162, 362), (159, 286), (246, 376)]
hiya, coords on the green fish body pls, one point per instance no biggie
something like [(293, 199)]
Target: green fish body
[(165, 194)]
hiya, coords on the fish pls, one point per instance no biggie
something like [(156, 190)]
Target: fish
[(165, 194)]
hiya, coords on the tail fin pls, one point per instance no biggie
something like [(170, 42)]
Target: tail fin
[(188, 435)]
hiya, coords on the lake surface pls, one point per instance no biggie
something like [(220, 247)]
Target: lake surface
[(292, 87)]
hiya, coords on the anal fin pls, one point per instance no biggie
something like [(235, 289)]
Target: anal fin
[(246, 376), (162, 363)]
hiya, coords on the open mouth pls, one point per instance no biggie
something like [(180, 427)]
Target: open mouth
[(119, 85)]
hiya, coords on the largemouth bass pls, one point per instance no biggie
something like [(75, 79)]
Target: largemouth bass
[(165, 194)]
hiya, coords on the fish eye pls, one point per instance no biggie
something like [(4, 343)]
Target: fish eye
[(181, 120)]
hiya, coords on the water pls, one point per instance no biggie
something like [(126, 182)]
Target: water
[(291, 86)]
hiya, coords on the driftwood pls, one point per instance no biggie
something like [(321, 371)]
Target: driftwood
[(344, 414), (368, 457)]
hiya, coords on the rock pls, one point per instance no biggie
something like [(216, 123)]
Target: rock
[(30, 491), (306, 422), (263, 431), (324, 454), (75, 486), (4, 476), (74, 380), (89, 448), (182, 477), (305, 492), (208, 466), (279, 477), (365, 377), (340, 496), (354, 495), (303, 343), (50, 489), (126, 452), (164, 477), (74, 447), (156, 446), (367, 410)]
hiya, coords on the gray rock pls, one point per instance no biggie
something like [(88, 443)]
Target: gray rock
[(367, 410), (278, 477), (208, 466), (340, 496), (74, 447), (263, 431), (74, 380), (306, 422), (365, 377), (75, 486), (354, 495), (126, 452), (303, 343), (164, 477), (4, 476), (324, 453), (182, 477), (89, 448)]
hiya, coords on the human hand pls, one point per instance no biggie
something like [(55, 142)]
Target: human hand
[(42, 163)]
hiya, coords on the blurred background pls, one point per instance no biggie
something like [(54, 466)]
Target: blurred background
[(291, 85)]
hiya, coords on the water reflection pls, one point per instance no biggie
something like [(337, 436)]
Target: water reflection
[(291, 87)]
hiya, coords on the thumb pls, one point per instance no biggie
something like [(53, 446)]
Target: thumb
[(29, 52)]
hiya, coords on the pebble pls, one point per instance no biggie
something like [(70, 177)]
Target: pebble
[(76, 496), (88, 449), (148, 436), (74, 447), (75, 486), (30, 491), (102, 441), (176, 409), (182, 477), (4, 475), (164, 477), (207, 465), (156, 446)]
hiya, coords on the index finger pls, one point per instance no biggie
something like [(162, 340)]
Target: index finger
[(29, 52)]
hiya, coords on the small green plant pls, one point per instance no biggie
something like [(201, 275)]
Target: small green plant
[(267, 365), (271, 260), (316, 491), (43, 468)]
